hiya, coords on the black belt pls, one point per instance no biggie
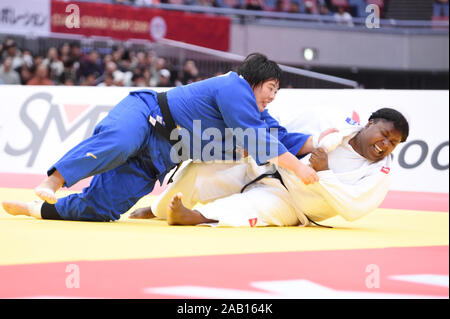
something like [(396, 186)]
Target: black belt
[(170, 125), (278, 176), (260, 177), (167, 118)]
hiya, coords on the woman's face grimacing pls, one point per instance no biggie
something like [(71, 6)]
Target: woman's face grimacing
[(379, 139), (265, 93)]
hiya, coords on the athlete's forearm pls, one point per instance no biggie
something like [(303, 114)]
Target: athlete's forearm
[(290, 162), (307, 148), (286, 160)]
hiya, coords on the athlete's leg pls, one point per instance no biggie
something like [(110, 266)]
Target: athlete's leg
[(264, 203), (142, 213), (46, 190), (178, 214), (17, 208), (109, 195), (201, 183), (116, 138)]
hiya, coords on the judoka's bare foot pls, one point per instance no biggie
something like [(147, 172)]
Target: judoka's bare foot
[(142, 213), (47, 189), (177, 214), (15, 208)]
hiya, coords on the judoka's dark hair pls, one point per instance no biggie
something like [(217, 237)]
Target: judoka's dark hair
[(257, 68), (398, 120)]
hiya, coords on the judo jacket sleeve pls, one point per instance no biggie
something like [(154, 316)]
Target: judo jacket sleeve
[(354, 200), (293, 141)]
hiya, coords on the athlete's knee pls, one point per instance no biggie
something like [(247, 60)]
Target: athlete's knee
[(76, 208)]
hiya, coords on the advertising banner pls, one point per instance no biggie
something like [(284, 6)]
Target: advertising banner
[(40, 124), (25, 17), (132, 22)]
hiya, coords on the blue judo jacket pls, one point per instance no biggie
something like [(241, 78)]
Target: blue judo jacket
[(127, 156)]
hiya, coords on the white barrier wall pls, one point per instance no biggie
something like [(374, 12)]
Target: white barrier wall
[(39, 124)]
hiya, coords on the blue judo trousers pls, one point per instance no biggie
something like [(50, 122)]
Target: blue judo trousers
[(127, 156), (120, 155)]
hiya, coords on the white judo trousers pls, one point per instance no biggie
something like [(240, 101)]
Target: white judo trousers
[(351, 188), (217, 186)]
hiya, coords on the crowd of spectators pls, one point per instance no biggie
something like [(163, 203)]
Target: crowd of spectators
[(355, 8), (69, 64), (440, 8), (341, 10)]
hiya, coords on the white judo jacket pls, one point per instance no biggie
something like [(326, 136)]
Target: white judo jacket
[(349, 193), (351, 188)]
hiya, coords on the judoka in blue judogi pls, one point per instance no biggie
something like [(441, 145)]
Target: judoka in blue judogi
[(127, 154)]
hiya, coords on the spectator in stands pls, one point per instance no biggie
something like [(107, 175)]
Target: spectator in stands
[(10, 50), (146, 2), (294, 7), (37, 59), (89, 79), (269, 5), (110, 68), (440, 8), (41, 76), (358, 7), (27, 58), (160, 63), (280, 6), (219, 4), (234, 4), (69, 76), (56, 65), (124, 63), (324, 11), (203, 3), (117, 54), (253, 5), (119, 78), (64, 52), (190, 72), (309, 8), (147, 76), (106, 59), (76, 54), (68, 82), (140, 61), (164, 79), (139, 80), (343, 17), (108, 80), (25, 73), (91, 65), (7, 74)]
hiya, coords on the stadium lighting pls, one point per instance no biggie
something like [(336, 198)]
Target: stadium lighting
[(309, 54)]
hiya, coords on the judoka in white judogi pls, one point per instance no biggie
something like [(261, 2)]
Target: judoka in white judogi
[(352, 187)]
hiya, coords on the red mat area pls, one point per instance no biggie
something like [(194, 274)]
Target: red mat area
[(337, 274)]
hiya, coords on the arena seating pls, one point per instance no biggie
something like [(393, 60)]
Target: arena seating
[(340, 3), (409, 9)]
